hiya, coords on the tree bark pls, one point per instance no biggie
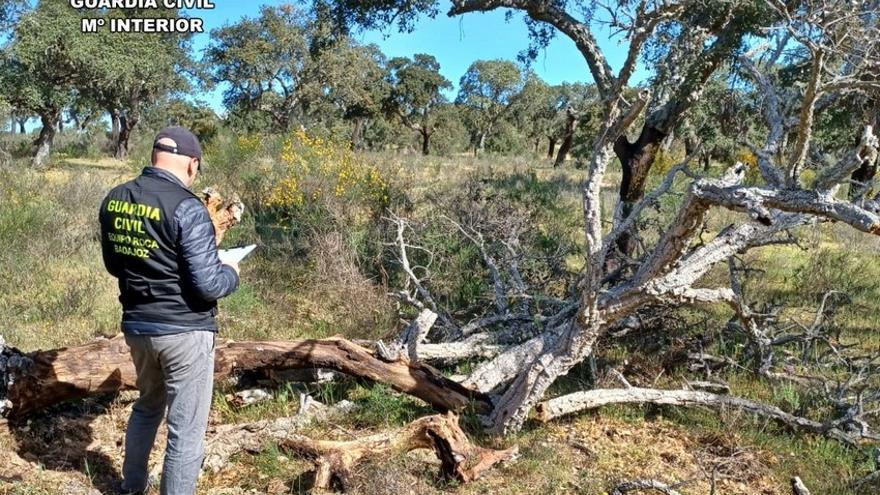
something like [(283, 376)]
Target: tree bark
[(84, 123), (571, 124), (863, 177), (22, 122), (551, 147), (114, 126), (37, 380), (426, 140), (127, 124), (357, 134), (45, 139), (564, 148), (635, 161)]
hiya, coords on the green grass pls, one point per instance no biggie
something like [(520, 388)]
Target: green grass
[(379, 406), (825, 465)]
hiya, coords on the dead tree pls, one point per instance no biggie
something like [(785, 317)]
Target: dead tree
[(530, 347), (40, 379), (592, 399), (225, 441), (670, 268)]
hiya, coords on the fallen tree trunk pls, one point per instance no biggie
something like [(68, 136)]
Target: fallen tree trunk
[(460, 460), (592, 399), (480, 345), (36, 380)]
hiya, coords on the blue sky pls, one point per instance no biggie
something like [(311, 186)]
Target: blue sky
[(455, 42)]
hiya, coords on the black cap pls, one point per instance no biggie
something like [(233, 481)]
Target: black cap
[(187, 143)]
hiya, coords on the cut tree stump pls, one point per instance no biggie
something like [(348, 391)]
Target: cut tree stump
[(224, 214), (460, 460), (29, 382)]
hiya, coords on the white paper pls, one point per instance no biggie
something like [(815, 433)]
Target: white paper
[(235, 255)]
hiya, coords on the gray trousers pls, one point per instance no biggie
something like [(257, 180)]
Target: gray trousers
[(174, 373)]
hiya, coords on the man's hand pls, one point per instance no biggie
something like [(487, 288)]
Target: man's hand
[(234, 267)]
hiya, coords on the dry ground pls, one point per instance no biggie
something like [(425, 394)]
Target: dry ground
[(81, 451)]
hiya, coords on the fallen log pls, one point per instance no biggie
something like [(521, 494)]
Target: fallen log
[(592, 399), (29, 382), (460, 460)]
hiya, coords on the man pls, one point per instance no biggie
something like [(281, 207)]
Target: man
[(158, 240)]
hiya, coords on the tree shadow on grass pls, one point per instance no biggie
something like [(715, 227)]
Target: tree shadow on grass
[(61, 439)]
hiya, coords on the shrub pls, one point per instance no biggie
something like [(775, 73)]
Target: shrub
[(664, 162), (319, 172), (89, 143), (316, 208), (316, 186), (836, 269)]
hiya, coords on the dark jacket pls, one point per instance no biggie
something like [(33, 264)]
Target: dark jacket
[(158, 240)]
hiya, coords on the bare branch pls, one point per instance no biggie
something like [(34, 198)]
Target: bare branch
[(751, 323), (867, 150), (773, 115), (621, 225), (407, 345), (805, 127), (422, 291), (755, 201), (592, 399), (227, 440), (459, 459), (690, 216), (500, 289), (481, 323), (632, 113), (550, 13)]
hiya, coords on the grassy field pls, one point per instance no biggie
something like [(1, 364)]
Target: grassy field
[(324, 271)]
